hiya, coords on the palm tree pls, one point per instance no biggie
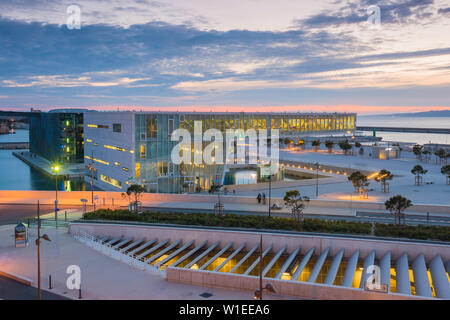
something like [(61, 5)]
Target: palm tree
[(445, 170), (329, 144), (315, 144), (345, 146), (382, 177), (294, 200), (396, 205), (418, 171)]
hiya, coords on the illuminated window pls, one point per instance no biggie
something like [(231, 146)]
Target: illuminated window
[(114, 148), (111, 181), (131, 151), (97, 160), (142, 150), (137, 169), (124, 169), (88, 140), (98, 126), (117, 163)]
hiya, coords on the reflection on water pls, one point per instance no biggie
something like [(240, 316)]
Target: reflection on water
[(17, 175)]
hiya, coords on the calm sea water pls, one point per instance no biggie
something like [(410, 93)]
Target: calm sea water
[(410, 122), (16, 175)]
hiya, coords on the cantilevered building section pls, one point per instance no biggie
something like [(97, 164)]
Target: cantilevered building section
[(136, 147)]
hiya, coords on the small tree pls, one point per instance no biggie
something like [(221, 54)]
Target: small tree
[(396, 205), (294, 200), (134, 195), (345, 146), (418, 171), (329, 144), (214, 188), (358, 180), (445, 170), (441, 154), (383, 176), (288, 142), (301, 144), (417, 150), (315, 144), (427, 155)]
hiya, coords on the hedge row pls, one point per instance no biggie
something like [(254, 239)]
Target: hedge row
[(234, 220), (276, 223)]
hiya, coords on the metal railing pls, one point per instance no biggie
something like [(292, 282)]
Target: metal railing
[(131, 259)]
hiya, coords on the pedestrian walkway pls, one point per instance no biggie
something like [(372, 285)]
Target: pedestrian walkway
[(101, 276)]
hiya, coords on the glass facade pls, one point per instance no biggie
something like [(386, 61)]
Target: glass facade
[(153, 165), (57, 137)]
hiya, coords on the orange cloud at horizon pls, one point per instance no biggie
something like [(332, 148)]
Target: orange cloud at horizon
[(300, 108)]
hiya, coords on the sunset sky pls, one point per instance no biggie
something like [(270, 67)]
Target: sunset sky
[(235, 55)]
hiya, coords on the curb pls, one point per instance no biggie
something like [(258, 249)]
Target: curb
[(17, 278)]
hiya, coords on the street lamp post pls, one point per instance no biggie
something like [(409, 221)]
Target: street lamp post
[(317, 179), (38, 244), (268, 287), (56, 168), (270, 191), (92, 169)]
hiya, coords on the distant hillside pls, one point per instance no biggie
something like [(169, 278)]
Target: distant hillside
[(440, 113)]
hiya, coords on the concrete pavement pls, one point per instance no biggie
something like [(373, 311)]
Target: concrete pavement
[(101, 276)]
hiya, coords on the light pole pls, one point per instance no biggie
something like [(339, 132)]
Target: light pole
[(92, 169), (268, 287), (38, 243), (270, 190), (317, 179), (56, 168)]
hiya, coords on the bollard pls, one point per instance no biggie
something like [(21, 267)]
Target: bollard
[(79, 292), (50, 282)]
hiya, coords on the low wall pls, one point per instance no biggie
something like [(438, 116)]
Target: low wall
[(282, 287), (279, 240), (110, 198)]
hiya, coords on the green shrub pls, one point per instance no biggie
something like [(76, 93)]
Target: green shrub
[(276, 223)]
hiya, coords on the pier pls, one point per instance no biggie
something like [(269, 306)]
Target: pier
[(400, 129), (14, 145)]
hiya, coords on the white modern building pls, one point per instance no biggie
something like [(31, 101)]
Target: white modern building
[(122, 148)]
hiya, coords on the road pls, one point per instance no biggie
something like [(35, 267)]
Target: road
[(13, 290), (13, 213)]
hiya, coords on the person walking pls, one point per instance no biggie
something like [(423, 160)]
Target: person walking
[(264, 198), (258, 197)]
